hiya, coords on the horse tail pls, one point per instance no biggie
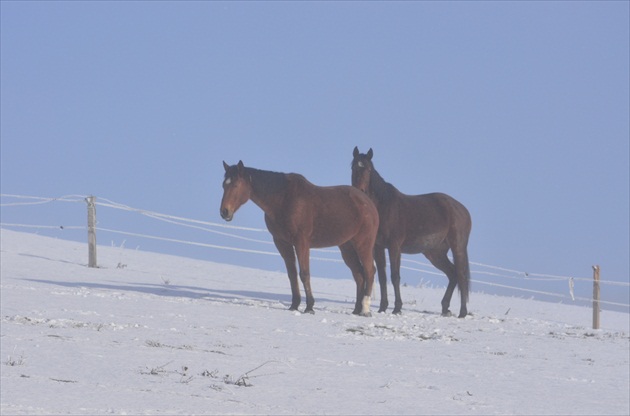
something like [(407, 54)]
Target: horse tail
[(463, 277), (464, 265)]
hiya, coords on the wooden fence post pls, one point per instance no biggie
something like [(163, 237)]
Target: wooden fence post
[(91, 231), (595, 297)]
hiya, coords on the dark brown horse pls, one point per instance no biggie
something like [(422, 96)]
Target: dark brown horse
[(431, 224), (300, 215)]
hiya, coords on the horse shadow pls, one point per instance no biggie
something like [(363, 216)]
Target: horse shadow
[(183, 291), (173, 291)]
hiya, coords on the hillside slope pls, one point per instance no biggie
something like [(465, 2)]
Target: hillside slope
[(154, 334)]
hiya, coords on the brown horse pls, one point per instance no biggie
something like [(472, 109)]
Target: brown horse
[(431, 224), (300, 215)]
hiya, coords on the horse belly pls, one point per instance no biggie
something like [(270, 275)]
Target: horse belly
[(421, 243), (330, 235)]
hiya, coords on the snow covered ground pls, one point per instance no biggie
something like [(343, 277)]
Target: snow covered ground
[(153, 334)]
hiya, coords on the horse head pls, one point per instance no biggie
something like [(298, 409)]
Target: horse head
[(362, 168), (236, 190)]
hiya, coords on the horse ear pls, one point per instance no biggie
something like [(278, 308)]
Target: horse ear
[(225, 166), (240, 166), (370, 153), (355, 153)]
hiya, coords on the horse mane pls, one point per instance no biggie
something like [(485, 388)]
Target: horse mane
[(382, 190), (267, 182)]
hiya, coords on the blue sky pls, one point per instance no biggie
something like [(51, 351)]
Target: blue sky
[(520, 110)]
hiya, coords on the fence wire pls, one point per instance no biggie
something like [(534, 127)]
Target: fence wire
[(236, 233)]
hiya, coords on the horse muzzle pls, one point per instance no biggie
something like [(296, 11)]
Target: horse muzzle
[(226, 214)]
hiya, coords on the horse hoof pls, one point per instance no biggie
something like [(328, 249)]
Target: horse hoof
[(462, 315), (310, 311), (382, 310), (447, 314), (366, 314), (397, 312)]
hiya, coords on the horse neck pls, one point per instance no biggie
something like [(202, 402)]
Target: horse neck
[(268, 189), (380, 190)]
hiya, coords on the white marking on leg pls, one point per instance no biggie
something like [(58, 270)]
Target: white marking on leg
[(366, 305)]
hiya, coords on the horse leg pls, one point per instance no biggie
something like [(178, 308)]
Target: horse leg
[(440, 260), (379, 257), (394, 259), (365, 251), (288, 255), (350, 257), (302, 251), (462, 270)]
